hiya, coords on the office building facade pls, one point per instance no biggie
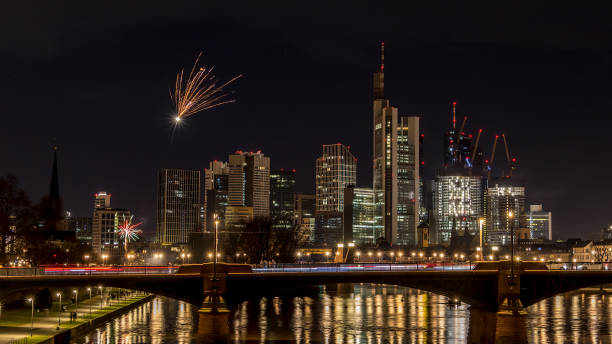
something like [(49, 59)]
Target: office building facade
[(178, 205), (282, 198), (501, 199), (362, 218), (335, 170), (457, 205), (215, 194), (249, 182), (539, 222), (305, 208)]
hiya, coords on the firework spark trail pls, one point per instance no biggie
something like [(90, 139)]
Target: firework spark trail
[(128, 231), (199, 91)]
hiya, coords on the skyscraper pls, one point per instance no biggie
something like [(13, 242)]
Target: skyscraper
[(539, 222), (396, 146), (215, 193), (178, 205), (501, 199), (335, 170), (305, 208), (248, 186), (105, 225), (362, 215), (457, 204), (102, 200), (282, 197)]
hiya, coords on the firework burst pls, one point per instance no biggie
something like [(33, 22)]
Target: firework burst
[(198, 91), (128, 230)]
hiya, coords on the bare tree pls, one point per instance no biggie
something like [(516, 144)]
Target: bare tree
[(16, 218), (602, 253)]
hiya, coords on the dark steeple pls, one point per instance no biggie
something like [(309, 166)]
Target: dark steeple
[(54, 190)]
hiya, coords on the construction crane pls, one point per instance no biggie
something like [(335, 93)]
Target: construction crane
[(463, 125), (476, 145), (512, 161), (492, 157)]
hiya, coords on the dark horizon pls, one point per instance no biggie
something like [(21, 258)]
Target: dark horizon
[(95, 77)]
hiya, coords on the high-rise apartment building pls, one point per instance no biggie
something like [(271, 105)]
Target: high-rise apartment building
[(457, 204), (362, 215), (539, 222), (396, 146), (282, 197), (503, 199), (305, 208), (215, 194), (178, 205), (248, 186), (335, 170)]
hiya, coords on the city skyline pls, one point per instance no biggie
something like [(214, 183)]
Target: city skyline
[(344, 117)]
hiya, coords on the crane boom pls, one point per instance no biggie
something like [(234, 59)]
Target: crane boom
[(493, 151), (463, 124), (476, 144), (492, 157), (507, 151)]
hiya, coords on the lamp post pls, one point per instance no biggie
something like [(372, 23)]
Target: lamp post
[(188, 257), (480, 223), (510, 217), (59, 310), (100, 290), (104, 256), (76, 296), (86, 258), (32, 317), (89, 290), (216, 248)]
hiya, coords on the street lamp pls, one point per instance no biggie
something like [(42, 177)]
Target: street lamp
[(89, 290), (188, 257), (101, 298), (32, 317), (510, 217), (76, 305), (216, 248), (59, 310), (480, 222), (86, 258), (104, 256)]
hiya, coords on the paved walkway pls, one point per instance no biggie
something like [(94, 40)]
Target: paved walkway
[(15, 324)]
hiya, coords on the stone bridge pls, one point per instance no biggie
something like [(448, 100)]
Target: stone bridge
[(490, 286)]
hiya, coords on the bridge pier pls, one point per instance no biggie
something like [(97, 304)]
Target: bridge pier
[(509, 290), (213, 322)]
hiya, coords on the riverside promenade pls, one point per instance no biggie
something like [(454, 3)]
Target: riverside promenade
[(16, 324)]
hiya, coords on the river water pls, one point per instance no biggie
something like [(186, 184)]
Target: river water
[(367, 314)]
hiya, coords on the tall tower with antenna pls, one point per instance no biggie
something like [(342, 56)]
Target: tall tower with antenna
[(395, 164)]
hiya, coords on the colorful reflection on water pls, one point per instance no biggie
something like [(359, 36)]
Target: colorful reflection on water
[(367, 314)]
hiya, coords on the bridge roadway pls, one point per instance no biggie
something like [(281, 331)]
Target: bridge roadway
[(485, 287)]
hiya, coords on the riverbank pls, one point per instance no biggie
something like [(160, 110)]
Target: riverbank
[(17, 328)]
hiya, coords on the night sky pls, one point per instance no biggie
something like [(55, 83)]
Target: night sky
[(95, 76)]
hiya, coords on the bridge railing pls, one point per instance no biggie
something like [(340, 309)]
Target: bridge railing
[(98, 270), (345, 267)]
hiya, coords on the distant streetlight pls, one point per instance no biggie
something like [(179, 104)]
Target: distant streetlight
[(32, 317), (86, 258), (76, 296), (101, 298), (104, 256), (480, 223), (59, 310), (89, 290)]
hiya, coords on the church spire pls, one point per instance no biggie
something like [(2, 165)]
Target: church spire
[(54, 190)]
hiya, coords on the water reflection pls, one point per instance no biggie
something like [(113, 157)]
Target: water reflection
[(365, 314)]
